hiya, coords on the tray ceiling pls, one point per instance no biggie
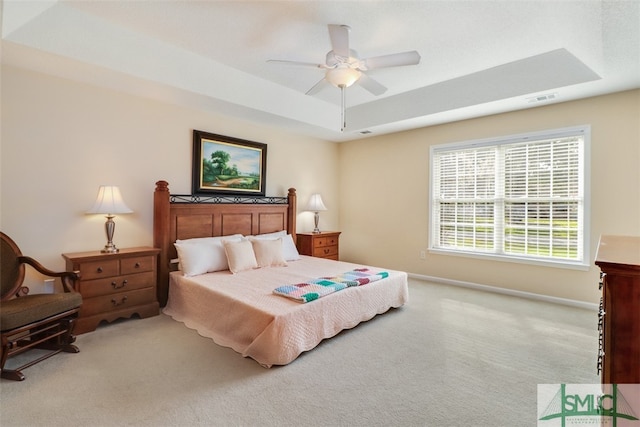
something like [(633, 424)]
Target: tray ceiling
[(478, 57)]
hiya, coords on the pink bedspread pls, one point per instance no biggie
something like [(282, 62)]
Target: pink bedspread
[(240, 310)]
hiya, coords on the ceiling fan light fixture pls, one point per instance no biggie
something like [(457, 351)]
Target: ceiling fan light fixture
[(342, 76), (344, 67)]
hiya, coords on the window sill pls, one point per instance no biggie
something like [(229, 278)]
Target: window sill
[(571, 265)]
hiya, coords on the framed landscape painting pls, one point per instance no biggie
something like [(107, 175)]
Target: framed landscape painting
[(226, 165)]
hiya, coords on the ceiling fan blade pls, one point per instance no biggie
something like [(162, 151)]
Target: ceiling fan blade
[(371, 85), (393, 60), (298, 63), (339, 35), (316, 88)]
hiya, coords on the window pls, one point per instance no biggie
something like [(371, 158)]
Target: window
[(519, 198)]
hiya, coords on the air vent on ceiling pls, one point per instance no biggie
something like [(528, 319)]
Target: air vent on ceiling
[(542, 98)]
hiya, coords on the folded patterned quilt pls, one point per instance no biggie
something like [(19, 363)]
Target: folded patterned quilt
[(316, 288)]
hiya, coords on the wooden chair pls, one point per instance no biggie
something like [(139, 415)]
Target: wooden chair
[(43, 321)]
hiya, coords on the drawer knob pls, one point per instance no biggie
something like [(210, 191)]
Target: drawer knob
[(137, 265), (599, 365), (99, 269), (116, 303), (603, 275), (601, 321)]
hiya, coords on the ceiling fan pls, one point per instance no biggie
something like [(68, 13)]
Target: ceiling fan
[(343, 67)]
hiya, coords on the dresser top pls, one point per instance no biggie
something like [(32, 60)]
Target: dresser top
[(320, 233), (143, 250), (619, 250)]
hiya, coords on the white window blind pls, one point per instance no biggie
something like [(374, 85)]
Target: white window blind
[(517, 197)]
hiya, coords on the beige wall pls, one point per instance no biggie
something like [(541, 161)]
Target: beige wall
[(384, 187), (61, 140)]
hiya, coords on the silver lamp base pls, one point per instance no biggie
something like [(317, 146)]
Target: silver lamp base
[(316, 218), (109, 228), (110, 249)]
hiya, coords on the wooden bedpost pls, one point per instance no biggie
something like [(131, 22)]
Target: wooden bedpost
[(161, 237), (292, 211)]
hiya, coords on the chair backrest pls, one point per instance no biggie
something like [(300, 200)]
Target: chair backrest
[(11, 270)]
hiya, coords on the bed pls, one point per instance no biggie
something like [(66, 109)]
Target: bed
[(241, 310)]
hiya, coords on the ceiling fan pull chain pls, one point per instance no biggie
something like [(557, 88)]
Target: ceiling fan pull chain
[(344, 108)]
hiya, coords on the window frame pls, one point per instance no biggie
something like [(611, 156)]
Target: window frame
[(583, 264)]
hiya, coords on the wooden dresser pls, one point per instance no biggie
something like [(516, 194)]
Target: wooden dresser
[(115, 285), (619, 315), (321, 245)]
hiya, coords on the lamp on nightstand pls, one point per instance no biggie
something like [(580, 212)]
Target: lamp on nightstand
[(315, 205), (109, 202)]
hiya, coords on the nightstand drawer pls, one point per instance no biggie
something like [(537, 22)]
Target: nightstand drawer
[(117, 301), (325, 251), (321, 242), (98, 269), (136, 265), (97, 287)]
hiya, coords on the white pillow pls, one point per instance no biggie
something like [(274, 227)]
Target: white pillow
[(217, 239), (268, 252), (280, 233), (240, 255), (203, 255), (289, 250)]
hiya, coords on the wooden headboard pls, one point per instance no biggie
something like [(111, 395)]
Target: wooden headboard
[(188, 216)]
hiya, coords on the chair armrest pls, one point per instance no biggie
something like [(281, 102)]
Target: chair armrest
[(68, 278)]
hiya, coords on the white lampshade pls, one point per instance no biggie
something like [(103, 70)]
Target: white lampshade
[(109, 201), (315, 204)]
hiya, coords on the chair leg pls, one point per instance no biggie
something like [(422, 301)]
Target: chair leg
[(62, 341), (8, 374), (68, 338), (12, 375), (70, 348)]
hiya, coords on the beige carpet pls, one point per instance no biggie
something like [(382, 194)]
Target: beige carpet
[(451, 357)]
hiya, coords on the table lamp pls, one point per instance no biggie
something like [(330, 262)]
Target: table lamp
[(315, 205), (109, 202)]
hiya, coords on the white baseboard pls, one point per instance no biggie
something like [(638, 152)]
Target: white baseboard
[(505, 291)]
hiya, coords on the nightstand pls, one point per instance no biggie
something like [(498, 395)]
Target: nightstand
[(321, 245), (115, 285)]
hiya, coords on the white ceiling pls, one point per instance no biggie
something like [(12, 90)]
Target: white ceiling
[(478, 57)]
